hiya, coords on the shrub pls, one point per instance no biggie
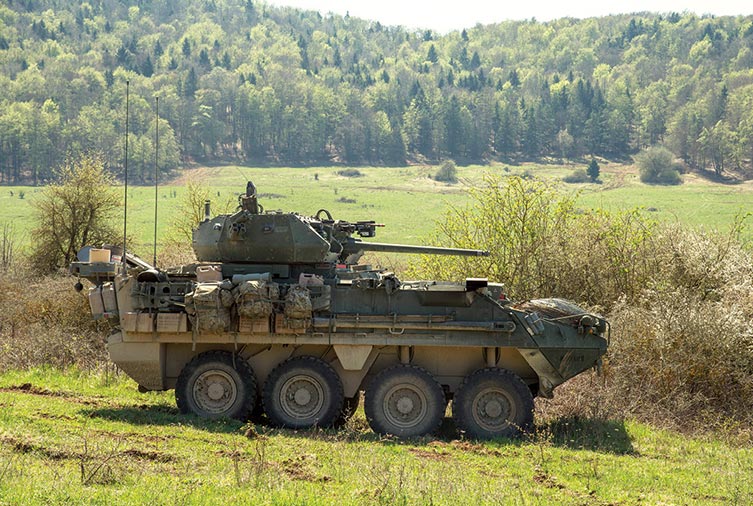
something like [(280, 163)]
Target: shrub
[(578, 176), (656, 166), (447, 173), (44, 322), (74, 212), (350, 173), (679, 300)]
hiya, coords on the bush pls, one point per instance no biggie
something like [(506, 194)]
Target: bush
[(350, 173), (679, 300), (578, 176), (447, 173), (656, 165), (45, 322), (76, 211)]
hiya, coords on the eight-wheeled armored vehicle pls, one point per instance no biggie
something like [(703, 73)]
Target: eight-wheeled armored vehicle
[(278, 316)]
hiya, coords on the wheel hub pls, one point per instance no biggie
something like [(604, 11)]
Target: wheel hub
[(405, 406), (493, 409), (215, 392), (302, 397)]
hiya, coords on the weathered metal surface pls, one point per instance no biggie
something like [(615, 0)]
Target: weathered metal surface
[(354, 321)]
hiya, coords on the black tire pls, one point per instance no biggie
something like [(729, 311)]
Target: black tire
[(303, 392), (349, 409), (214, 385), (404, 401), (493, 403)]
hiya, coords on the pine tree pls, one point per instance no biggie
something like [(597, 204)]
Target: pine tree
[(432, 55), (593, 170)]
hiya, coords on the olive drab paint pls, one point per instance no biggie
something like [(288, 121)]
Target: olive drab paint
[(277, 316)]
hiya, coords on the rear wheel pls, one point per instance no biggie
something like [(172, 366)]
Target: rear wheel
[(404, 401), (215, 385), (493, 403), (303, 392)]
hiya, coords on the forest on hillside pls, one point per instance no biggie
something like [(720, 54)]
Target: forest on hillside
[(245, 82)]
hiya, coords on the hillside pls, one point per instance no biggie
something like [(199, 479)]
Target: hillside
[(241, 81)]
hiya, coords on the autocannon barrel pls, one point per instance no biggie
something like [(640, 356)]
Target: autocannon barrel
[(355, 246)]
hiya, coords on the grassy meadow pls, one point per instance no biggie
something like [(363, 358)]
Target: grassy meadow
[(405, 199), (90, 438)]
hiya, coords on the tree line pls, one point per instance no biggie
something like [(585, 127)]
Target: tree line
[(242, 81)]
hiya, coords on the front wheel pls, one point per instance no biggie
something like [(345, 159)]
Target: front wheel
[(216, 385), (404, 401), (493, 403)]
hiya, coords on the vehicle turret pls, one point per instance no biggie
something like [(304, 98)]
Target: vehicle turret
[(252, 235)]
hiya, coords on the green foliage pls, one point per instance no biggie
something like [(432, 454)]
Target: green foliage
[(76, 211), (447, 173), (281, 86), (593, 170), (577, 176), (668, 291), (656, 165)]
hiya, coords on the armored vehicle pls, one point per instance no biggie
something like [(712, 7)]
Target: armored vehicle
[(278, 316)]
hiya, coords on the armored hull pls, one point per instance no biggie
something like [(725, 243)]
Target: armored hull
[(290, 325)]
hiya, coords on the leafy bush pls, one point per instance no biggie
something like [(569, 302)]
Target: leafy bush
[(678, 299), (657, 166), (447, 173), (350, 173), (44, 322), (578, 176), (74, 212)]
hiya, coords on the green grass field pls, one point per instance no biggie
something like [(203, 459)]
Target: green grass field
[(406, 199), (69, 437), (90, 438)]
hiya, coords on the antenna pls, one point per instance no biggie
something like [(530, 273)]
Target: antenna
[(125, 178), (156, 174)]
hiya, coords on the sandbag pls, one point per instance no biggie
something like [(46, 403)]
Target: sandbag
[(208, 307), (255, 298), (298, 303)]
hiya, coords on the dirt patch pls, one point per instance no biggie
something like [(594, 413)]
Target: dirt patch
[(19, 445), (476, 448), (300, 468), (545, 479), (50, 416), (436, 455), (147, 455), (28, 388)]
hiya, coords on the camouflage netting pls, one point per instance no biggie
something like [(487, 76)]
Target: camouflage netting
[(255, 298), (298, 303), (208, 307), (551, 308)]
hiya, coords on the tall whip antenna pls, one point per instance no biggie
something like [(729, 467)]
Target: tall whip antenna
[(125, 178), (156, 174)]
